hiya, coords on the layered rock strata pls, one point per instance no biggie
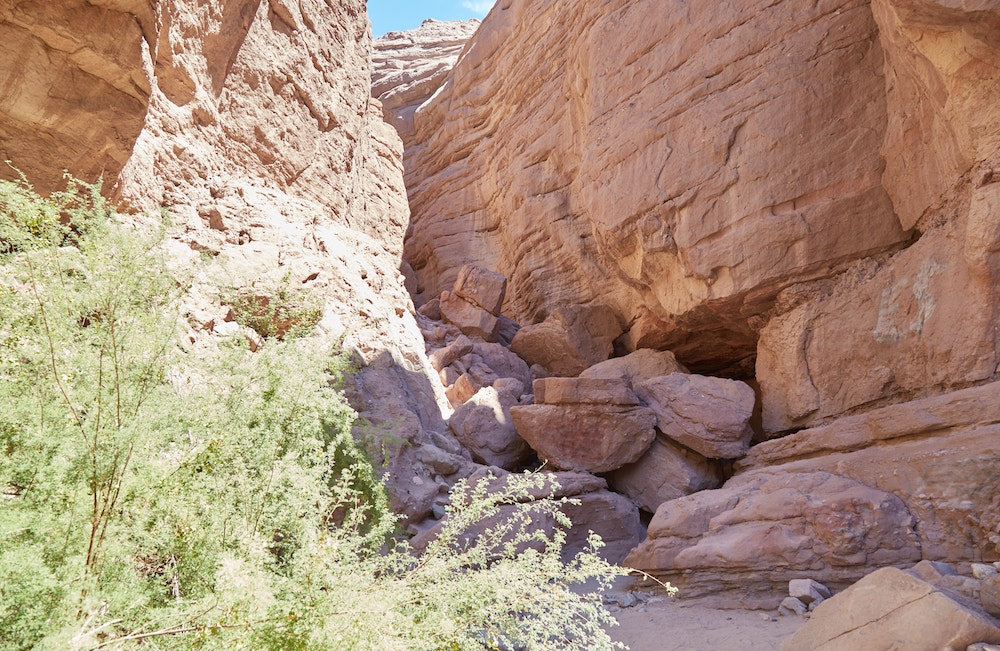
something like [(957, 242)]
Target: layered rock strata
[(690, 163)]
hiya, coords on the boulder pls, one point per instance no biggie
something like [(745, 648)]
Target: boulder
[(590, 508), (940, 455), (892, 609), (592, 438), (570, 340), (592, 391), (470, 319), (611, 516), (808, 591), (483, 288), (445, 356), (503, 362), (707, 414), (483, 424), (745, 541), (989, 595), (638, 366), (665, 472)]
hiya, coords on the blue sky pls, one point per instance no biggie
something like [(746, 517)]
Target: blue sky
[(392, 15)]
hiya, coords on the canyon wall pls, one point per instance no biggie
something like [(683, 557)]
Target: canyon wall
[(802, 195), (249, 125)]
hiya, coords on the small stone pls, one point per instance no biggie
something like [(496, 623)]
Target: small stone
[(983, 646), (807, 591), (764, 616), (792, 607), (627, 600), (983, 571)]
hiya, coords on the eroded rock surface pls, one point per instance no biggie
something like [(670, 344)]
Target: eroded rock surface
[(894, 609), (689, 164), (745, 541), (408, 67)]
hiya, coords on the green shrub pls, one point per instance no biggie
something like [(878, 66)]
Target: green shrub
[(166, 500)]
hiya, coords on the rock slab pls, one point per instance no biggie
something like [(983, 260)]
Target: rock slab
[(892, 609)]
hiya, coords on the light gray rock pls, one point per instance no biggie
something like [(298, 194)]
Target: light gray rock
[(982, 571), (807, 591), (792, 607)]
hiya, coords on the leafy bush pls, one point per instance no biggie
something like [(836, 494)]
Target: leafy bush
[(157, 499)]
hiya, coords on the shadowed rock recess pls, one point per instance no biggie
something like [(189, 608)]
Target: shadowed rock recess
[(730, 271)]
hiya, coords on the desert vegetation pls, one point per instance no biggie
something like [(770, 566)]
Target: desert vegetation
[(162, 498)]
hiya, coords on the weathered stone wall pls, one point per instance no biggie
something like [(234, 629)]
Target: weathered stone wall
[(683, 165)]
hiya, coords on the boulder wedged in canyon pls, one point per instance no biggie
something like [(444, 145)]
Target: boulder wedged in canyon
[(483, 424), (665, 472), (570, 340), (742, 543), (589, 437), (710, 415), (676, 182), (591, 508), (408, 67), (893, 609), (637, 366)]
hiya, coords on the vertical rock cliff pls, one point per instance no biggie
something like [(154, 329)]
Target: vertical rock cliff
[(799, 194)]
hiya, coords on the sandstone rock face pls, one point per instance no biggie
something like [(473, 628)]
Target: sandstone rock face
[(665, 472), (892, 609), (675, 181), (570, 340), (408, 67), (709, 415), (922, 320), (940, 455), (747, 540), (592, 438), (74, 89)]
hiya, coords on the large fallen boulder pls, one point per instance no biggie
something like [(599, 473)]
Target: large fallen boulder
[(893, 609), (591, 508), (483, 424), (593, 438), (745, 542), (667, 471), (570, 340), (643, 364), (707, 414)]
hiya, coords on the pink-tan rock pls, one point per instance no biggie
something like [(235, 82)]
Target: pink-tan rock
[(618, 153), (707, 414), (940, 455), (665, 472), (469, 318), (570, 340), (745, 541), (481, 287), (584, 391), (892, 609), (591, 438), (408, 67), (637, 366), (483, 424)]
